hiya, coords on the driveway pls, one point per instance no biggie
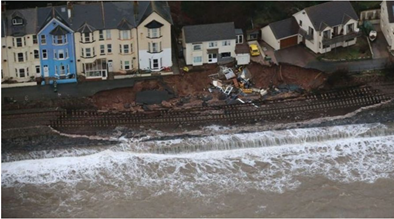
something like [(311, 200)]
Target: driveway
[(297, 55), (379, 47)]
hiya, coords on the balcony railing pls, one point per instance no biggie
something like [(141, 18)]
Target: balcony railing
[(305, 34), (341, 38)]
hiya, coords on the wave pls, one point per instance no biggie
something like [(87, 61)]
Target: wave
[(352, 153)]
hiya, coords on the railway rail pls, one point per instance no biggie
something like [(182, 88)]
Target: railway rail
[(320, 104)]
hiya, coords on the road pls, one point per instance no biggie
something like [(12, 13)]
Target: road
[(46, 92), (351, 66)]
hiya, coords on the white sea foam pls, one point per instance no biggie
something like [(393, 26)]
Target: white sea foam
[(275, 168)]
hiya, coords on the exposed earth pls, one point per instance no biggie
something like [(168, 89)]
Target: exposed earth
[(191, 89)]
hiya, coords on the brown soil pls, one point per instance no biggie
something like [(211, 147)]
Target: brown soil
[(194, 85)]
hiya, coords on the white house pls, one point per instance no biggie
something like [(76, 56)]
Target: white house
[(387, 22), (20, 52), (212, 43), (321, 28)]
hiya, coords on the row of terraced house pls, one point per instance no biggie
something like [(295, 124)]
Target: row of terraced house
[(58, 43), (102, 38)]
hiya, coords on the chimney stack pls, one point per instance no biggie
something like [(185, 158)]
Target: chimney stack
[(69, 9)]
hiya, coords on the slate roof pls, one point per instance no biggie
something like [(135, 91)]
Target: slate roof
[(29, 18), (284, 28), (97, 15), (145, 8), (59, 30), (390, 10), (209, 32), (330, 14), (239, 32)]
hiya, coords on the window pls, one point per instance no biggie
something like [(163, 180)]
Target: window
[(26, 57), (240, 39), (38, 69), (197, 47), (86, 37), (102, 50), (19, 42), (155, 63), (109, 48), (17, 21), (61, 39), (213, 44), (154, 47), (101, 35), (27, 71), (108, 34), (43, 39), (24, 41), (226, 43), (310, 32), (22, 73), (350, 28), (62, 69), (124, 34), (326, 34), (68, 68), (300, 23), (126, 48), (44, 54), (82, 52), (61, 54), (154, 33), (88, 52), (226, 54), (20, 57), (127, 65), (34, 39), (36, 54), (197, 59), (131, 47), (66, 53), (54, 54)]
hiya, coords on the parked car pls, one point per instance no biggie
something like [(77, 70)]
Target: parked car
[(254, 50)]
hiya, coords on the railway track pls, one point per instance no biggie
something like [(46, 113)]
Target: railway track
[(321, 104)]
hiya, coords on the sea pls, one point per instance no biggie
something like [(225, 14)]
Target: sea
[(332, 171)]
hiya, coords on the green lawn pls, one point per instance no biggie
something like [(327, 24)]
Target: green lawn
[(360, 49)]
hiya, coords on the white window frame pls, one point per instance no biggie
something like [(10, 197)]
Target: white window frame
[(34, 38), (108, 34), (24, 73), (154, 33), (19, 57), (197, 59), (127, 65), (36, 54), (61, 52), (43, 40), (102, 49), (101, 35), (126, 49), (20, 44), (197, 47), (44, 54), (226, 43), (239, 39), (212, 44), (109, 48), (88, 52), (17, 21)]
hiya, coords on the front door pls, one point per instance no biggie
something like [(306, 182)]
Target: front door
[(46, 71), (212, 58), (109, 65)]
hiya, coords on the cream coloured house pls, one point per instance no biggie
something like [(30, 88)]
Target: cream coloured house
[(387, 22), (209, 43), (321, 28), (20, 52)]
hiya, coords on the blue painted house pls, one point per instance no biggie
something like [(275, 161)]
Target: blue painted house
[(57, 47)]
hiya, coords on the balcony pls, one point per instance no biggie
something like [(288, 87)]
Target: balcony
[(341, 38), (305, 34)]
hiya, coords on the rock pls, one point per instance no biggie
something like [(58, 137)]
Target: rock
[(126, 105), (166, 104)]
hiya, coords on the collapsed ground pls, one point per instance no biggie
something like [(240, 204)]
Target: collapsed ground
[(191, 89)]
